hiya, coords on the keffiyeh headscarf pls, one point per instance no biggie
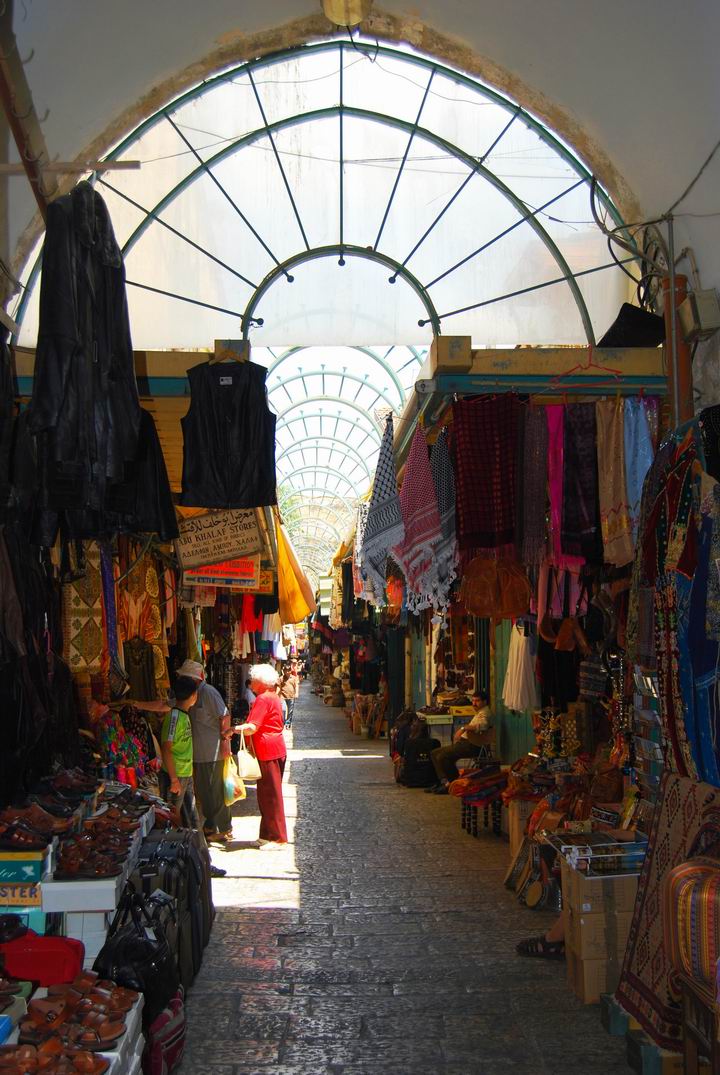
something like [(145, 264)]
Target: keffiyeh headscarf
[(384, 527), (421, 519)]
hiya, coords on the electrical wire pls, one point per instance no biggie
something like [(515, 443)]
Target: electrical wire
[(690, 186)]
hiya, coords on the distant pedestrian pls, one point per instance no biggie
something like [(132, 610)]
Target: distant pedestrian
[(265, 725), (289, 690)]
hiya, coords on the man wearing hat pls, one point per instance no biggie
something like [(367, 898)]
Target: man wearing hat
[(211, 731)]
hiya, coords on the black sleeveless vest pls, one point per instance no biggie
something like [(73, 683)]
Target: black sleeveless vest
[(229, 438)]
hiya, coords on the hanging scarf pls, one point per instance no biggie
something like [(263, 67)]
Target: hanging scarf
[(446, 554), (580, 507), (556, 455), (485, 451), (359, 588), (638, 456), (534, 486), (614, 514), (384, 527), (421, 521)]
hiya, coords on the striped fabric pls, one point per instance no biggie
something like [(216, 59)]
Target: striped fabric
[(691, 918)]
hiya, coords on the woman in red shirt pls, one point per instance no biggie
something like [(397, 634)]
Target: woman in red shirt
[(265, 724)]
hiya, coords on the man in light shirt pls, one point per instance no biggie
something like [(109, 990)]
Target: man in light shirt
[(471, 741)]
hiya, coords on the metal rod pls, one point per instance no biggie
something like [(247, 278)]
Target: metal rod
[(404, 159), (534, 287), (183, 298), (673, 324), (341, 162), (179, 234), (209, 172), (277, 158), (517, 224), (461, 188), (68, 168)]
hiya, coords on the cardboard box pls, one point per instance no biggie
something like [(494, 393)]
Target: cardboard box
[(33, 916), (598, 895), (22, 866), (450, 354), (17, 895), (590, 978), (598, 936)]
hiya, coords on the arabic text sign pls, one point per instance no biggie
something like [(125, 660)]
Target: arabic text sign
[(239, 574), (217, 536)]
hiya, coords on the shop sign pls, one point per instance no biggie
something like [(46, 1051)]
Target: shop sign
[(239, 574), (20, 895), (217, 536)]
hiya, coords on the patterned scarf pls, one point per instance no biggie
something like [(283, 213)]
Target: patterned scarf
[(638, 456), (580, 507), (446, 553), (421, 519), (384, 527), (534, 486), (614, 513), (485, 444)]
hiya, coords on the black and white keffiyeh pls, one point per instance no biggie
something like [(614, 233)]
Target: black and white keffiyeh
[(384, 526)]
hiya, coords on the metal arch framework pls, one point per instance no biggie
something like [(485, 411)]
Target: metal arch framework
[(311, 527), (330, 515), (352, 377), (322, 490), (331, 399), (291, 352), (354, 423), (307, 445), (441, 143), (341, 251), (331, 472)]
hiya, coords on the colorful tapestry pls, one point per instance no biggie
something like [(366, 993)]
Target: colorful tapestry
[(384, 527), (139, 615), (421, 520), (614, 508), (485, 434), (686, 821), (446, 553), (84, 642), (691, 901)]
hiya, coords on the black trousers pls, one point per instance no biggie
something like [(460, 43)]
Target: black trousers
[(445, 758)]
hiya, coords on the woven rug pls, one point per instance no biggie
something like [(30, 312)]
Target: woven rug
[(686, 818), (82, 603)]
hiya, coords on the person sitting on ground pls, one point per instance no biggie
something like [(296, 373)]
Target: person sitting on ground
[(473, 740), (417, 767)]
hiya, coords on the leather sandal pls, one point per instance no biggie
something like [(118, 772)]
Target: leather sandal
[(93, 867), (20, 1058), (19, 837), (93, 1038), (85, 1061), (43, 1018)]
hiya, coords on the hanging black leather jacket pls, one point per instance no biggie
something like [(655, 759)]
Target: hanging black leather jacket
[(84, 410)]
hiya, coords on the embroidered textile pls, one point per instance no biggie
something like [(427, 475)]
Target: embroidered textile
[(534, 486), (687, 815), (82, 604), (638, 456), (580, 507), (614, 512), (421, 520), (446, 553), (384, 527), (485, 435)]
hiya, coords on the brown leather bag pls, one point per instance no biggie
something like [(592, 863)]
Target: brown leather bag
[(495, 590)]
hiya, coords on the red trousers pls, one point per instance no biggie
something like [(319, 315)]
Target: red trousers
[(270, 801)]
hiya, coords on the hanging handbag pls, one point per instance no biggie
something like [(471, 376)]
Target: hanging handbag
[(165, 1039), (137, 956), (247, 763)]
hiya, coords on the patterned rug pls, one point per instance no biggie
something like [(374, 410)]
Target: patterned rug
[(687, 816), (82, 603)]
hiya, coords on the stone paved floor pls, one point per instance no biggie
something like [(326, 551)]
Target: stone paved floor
[(380, 940)]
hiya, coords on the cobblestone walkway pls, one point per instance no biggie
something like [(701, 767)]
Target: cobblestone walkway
[(380, 940)]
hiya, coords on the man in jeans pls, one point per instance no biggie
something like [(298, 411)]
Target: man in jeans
[(289, 690), (211, 732), (473, 740)]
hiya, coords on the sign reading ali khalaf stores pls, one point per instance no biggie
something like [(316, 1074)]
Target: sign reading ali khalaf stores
[(218, 536)]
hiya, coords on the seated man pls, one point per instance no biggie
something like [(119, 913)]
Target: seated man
[(473, 740)]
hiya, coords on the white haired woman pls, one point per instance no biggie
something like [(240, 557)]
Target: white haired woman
[(265, 725)]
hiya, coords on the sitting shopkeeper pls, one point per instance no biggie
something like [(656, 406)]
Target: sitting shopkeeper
[(473, 740)]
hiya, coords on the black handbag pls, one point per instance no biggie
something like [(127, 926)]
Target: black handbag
[(137, 956)]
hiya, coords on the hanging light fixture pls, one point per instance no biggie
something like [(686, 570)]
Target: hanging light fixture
[(346, 12)]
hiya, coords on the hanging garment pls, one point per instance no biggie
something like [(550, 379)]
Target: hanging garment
[(140, 668), (82, 604), (580, 507), (384, 527), (520, 689), (421, 521), (638, 457), (84, 408), (358, 580), (485, 455), (143, 503), (139, 614), (446, 553), (614, 513), (534, 486), (556, 456), (228, 438)]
